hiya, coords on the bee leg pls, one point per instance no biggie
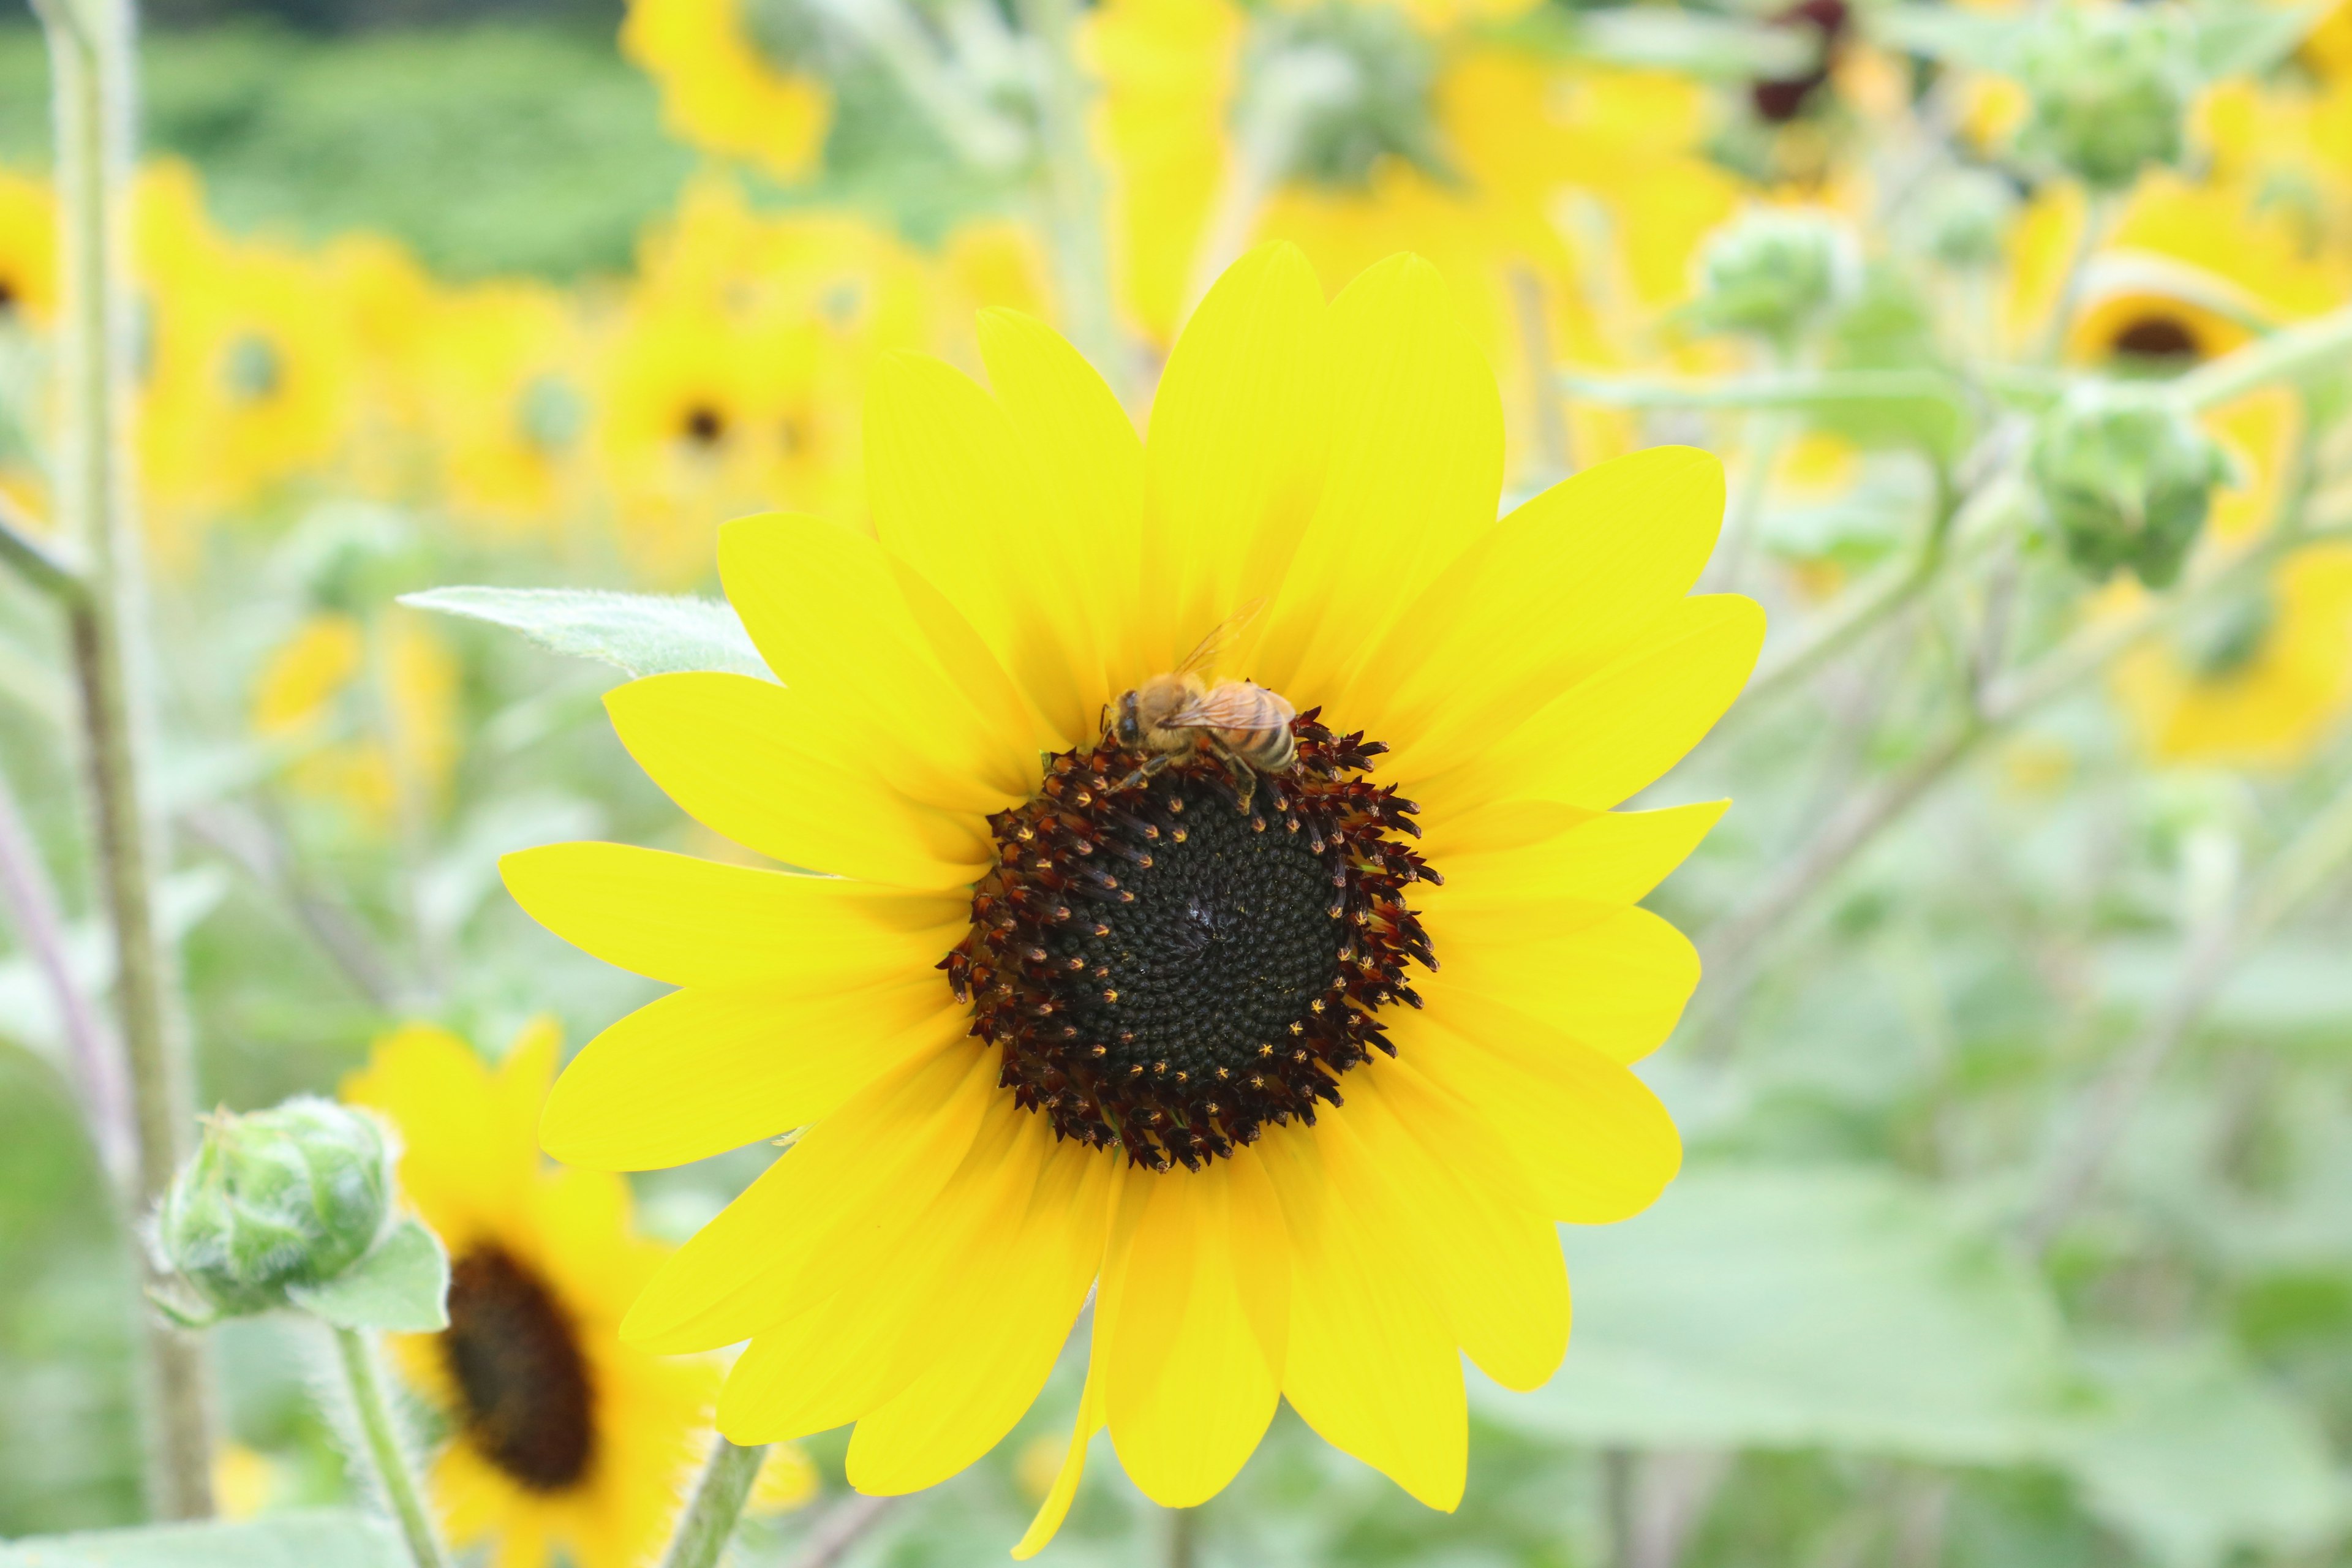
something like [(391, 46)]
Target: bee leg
[(1245, 777), (1155, 765)]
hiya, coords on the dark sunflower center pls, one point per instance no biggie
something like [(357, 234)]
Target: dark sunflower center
[(704, 426), (1168, 971), (2158, 339), (517, 1363), (8, 296)]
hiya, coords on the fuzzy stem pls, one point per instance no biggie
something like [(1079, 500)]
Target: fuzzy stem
[(717, 1502), (93, 69), (385, 1450), (2324, 340), (1183, 1537), (1074, 194), (2098, 215)]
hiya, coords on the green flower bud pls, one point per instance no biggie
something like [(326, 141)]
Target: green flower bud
[(1963, 216), (2110, 85), (284, 1197), (1330, 91), (2126, 481), (1774, 271)]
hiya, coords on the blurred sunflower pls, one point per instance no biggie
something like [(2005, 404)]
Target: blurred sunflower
[(503, 372), (737, 77), (28, 259), (1194, 1048), (564, 1440), (732, 380), (1356, 129), (254, 373), (369, 712), (2259, 682)]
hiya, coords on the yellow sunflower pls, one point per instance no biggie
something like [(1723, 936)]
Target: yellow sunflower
[(255, 375), (1427, 138), (732, 382), (2260, 683), (562, 1439), (1180, 1039), (734, 77), (29, 262), (502, 373)]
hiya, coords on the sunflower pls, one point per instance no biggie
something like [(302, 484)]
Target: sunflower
[(2260, 681), (735, 78), (1426, 137), (27, 251), (1047, 1025), (731, 382), (256, 376), (501, 368), (564, 1439)]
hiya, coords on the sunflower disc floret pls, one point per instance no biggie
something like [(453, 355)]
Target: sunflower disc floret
[(1168, 971)]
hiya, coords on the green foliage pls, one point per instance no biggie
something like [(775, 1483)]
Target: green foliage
[(403, 1285), (644, 634), (325, 1538), (2126, 481)]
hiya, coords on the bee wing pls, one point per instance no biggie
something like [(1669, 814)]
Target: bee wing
[(1233, 705), (1221, 637)]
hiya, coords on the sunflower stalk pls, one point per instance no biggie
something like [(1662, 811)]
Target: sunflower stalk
[(93, 69), (2098, 217), (387, 1453), (720, 1494), (2308, 863), (1770, 431), (2322, 342)]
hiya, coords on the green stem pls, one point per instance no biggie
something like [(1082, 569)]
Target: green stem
[(1073, 197), (717, 1502), (1183, 1537), (91, 67), (385, 1452), (1767, 432), (2097, 216), (2323, 342)]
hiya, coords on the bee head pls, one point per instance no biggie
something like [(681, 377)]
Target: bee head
[(1126, 727)]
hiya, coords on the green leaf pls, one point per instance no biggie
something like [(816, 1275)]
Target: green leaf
[(644, 634), (2248, 40), (403, 1285), (314, 1537), (1793, 1308), (1976, 40), (2196, 1456)]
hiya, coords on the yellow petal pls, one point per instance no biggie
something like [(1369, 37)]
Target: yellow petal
[(831, 1206), (1012, 1322), (1371, 1366), (1200, 1298), (1235, 450), (1618, 730), (1091, 1419), (1089, 461), (1615, 857), (1593, 1140), (867, 1333), (1616, 984), (1491, 1257), (1547, 598), (702, 1071), (744, 758), (686, 921), (878, 653), (1496, 826), (454, 1169), (1414, 475), (954, 492)]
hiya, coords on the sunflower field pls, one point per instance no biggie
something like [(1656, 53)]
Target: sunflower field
[(921, 781)]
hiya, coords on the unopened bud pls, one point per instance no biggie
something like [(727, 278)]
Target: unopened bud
[(1774, 271), (2110, 87), (279, 1198), (2126, 481), (1963, 216), (1330, 91)]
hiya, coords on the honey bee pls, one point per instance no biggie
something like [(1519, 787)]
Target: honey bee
[(1182, 712)]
